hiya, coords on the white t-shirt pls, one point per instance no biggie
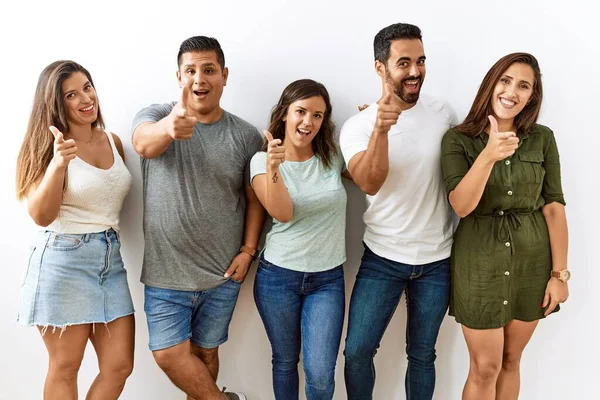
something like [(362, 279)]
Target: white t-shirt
[(409, 220)]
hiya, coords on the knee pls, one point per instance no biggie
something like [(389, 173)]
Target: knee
[(166, 359), (208, 356), (485, 369), (511, 361), (64, 369), (119, 370), (424, 357), (320, 377), (358, 353), (286, 366)]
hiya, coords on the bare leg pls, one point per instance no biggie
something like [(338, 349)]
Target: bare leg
[(65, 352), (114, 346), (188, 372), (485, 351), (516, 337)]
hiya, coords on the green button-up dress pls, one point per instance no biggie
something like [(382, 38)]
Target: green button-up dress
[(501, 259)]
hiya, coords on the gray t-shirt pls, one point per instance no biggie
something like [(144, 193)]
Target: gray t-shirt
[(194, 201), (315, 239)]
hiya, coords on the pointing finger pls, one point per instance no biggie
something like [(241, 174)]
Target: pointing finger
[(268, 135)]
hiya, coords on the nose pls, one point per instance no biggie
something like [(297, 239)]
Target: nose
[(414, 70), (86, 97), (307, 120)]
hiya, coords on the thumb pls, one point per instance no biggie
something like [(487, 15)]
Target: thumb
[(230, 270), (546, 299), (183, 102), (58, 136), (268, 135), (493, 124), (388, 93)]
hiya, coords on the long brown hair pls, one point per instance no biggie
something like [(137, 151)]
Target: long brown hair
[(476, 121), (323, 143), (48, 109)]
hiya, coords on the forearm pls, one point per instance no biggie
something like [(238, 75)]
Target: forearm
[(255, 218), (151, 139), (277, 200), (43, 202), (467, 194), (556, 220), (372, 167)]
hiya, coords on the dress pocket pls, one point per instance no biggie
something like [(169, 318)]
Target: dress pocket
[(532, 166), (65, 242), (24, 276)]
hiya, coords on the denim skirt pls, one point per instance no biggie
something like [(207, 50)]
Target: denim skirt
[(74, 279)]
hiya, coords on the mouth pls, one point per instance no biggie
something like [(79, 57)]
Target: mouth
[(412, 85), (88, 110), (201, 93), (507, 103), (303, 132)]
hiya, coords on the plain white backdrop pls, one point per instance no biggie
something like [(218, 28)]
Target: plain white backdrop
[(130, 48)]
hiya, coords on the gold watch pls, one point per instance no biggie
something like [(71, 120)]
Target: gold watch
[(249, 250), (563, 275)]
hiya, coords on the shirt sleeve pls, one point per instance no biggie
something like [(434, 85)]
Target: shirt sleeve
[(256, 142), (258, 165), (355, 135), (552, 185), (455, 163), (152, 113)]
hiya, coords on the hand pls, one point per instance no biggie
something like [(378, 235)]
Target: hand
[(389, 109), (239, 267), (64, 150), (557, 292), (500, 145), (180, 126), (275, 152), (363, 107)]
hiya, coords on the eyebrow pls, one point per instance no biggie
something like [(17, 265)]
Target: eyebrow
[(74, 90), (409, 59), (304, 109), (204, 64)]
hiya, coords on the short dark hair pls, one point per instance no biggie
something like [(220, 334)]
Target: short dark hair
[(383, 39), (324, 143), (201, 43)]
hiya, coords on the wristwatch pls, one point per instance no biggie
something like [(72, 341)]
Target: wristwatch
[(563, 275), (249, 250)]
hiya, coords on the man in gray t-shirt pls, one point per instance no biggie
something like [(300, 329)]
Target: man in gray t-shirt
[(202, 220)]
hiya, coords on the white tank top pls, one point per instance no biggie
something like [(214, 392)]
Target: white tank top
[(94, 197)]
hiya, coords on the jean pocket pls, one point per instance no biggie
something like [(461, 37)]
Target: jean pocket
[(24, 276), (65, 242)]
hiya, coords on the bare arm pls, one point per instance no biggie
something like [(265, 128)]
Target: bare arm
[(44, 198), (151, 139), (370, 167), (556, 219), (270, 187), (255, 218)]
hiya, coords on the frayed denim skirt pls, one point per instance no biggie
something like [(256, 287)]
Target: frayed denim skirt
[(74, 279)]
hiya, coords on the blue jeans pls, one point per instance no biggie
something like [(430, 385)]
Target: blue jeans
[(301, 309), (377, 291)]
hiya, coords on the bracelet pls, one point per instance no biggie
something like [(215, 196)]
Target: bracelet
[(249, 250)]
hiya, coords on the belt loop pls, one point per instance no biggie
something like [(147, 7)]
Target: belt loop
[(86, 237), (118, 236)]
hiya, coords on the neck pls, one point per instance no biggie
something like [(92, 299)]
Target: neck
[(212, 116), (293, 153), (80, 132)]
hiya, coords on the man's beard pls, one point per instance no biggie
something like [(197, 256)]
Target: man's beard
[(399, 90)]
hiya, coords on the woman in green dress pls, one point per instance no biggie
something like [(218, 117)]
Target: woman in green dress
[(509, 259)]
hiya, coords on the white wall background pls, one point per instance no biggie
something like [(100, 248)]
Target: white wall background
[(130, 48)]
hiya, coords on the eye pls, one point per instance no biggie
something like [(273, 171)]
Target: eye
[(319, 116), (87, 88), (208, 71), (190, 71), (301, 112), (524, 86), (421, 62), (70, 96), (506, 81), (403, 64)]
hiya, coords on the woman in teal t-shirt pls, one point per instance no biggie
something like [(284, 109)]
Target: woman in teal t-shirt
[(299, 287)]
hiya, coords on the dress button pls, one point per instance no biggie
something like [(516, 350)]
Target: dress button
[(507, 162), (505, 302), (507, 273), (500, 212), (507, 244), (510, 193)]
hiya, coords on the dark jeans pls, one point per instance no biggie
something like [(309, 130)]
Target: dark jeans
[(301, 309), (377, 291)]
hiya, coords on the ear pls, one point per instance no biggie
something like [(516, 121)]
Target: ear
[(178, 75), (225, 75), (380, 68)]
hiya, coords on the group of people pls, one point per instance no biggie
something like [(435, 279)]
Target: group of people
[(208, 178)]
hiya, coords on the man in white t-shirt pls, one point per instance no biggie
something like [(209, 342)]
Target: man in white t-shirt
[(392, 150)]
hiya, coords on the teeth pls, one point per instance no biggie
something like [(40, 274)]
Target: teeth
[(304, 131), (412, 82), (507, 102), (88, 108)]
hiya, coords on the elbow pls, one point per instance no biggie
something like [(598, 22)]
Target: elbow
[(370, 189), (40, 219), (461, 213), (284, 217)]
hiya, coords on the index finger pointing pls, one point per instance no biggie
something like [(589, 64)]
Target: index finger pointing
[(268, 135)]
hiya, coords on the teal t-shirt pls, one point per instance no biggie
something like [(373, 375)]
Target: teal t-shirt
[(315, 239)]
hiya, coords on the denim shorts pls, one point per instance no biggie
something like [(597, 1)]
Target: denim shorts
[(175, 316), (74, 279)]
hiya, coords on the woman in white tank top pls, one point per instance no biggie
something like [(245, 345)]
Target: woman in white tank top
[(75, 180)]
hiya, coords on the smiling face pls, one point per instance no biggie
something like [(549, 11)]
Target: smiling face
[(303, 121), (405, 69), (80, 100), (200, 70), (512, 92)]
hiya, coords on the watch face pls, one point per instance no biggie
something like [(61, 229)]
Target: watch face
[(566, 275)]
